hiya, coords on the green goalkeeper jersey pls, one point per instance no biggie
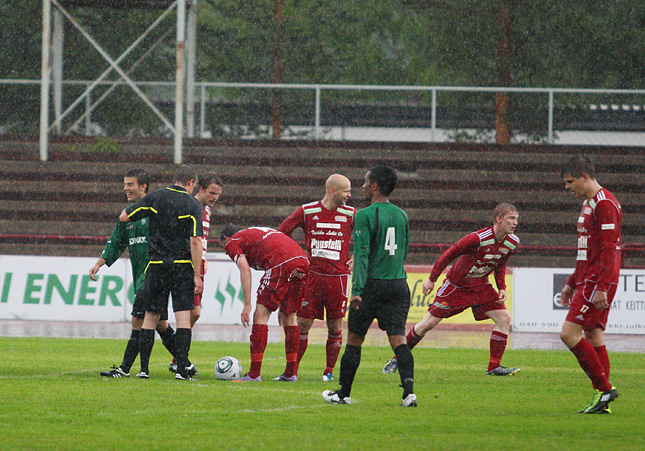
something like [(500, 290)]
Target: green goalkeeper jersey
[(134, 236), (381, 238)]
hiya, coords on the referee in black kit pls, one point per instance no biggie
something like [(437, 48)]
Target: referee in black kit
[(175, 248)]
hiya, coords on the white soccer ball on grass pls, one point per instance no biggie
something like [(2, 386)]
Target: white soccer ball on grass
[(228, 368)]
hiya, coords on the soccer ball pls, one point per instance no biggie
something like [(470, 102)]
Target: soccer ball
[(228, 368)]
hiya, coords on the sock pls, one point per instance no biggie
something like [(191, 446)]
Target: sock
[(412, 338), (302, 346), (146, 342), (601, 352), (131, 351), (348, 366), (334, 343), (405, 362), (182, 348), (590, 364), (498, 342), (168, 340), (291, 342), (259, 336)]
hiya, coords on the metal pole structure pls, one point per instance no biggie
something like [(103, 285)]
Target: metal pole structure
[(191, 49), (202, 112), (317, 133), (433, 119), (88, 114), (57, 67), (114, 65), (44, 80), (180, 78), (550, 133)]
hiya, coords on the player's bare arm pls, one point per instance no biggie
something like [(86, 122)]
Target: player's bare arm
[(502, 296), (124, 217), (95, 269), (350, 263), (245, 279), (565, 296), (196, 256), (428, 286), (355, 301)]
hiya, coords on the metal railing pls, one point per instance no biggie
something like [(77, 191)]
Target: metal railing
[(317, 91)]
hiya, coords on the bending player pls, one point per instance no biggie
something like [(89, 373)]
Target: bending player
[(466, 286)]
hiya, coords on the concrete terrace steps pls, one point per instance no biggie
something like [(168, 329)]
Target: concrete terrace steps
[(447, 190)]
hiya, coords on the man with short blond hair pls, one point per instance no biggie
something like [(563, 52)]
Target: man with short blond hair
[(466, 286)]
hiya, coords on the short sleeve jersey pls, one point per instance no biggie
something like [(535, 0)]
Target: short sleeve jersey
[(381, 238), (479, 254), (134, 236), (598, 241), (327, 235), (263, 248), (175, 217)]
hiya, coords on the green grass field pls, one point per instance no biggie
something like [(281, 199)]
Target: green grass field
[(51, 397)]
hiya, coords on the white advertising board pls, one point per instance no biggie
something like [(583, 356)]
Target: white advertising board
[(537, 307), (59, 288)]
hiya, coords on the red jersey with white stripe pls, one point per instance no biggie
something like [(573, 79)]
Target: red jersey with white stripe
[(480, 254), (263, 248), (206, 225), (598, 241), (327, 235)]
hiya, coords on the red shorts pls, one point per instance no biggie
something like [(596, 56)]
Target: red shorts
[(583, 311), (282, 287), (325, 292), (451, 300)]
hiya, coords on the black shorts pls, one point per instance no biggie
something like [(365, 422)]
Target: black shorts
[(167, 277), (139, 306), (386, 300)]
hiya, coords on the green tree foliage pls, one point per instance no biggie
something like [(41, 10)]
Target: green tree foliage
[(587, 44)]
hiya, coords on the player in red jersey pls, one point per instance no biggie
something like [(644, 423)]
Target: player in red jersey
[(285, 267), (590, 290), (466, 285), (210, 188), (327, 225)]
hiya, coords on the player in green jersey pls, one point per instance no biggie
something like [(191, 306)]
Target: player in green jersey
[(133, 236), (379, 284)]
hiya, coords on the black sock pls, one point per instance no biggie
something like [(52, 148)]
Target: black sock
[(168, 340), (348, 366), (405, 362), (131, 351), (182, 348), (146, 342)]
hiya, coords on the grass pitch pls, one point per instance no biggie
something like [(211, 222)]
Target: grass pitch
[(51, 397)]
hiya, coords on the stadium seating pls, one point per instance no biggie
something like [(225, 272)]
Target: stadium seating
[(447, 189)]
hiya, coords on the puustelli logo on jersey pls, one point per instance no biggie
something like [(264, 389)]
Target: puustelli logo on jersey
[(309, 211)]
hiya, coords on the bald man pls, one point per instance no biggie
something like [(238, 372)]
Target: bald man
[(327, 225)]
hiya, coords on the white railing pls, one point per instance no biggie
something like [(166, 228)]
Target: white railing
[(317, 91)]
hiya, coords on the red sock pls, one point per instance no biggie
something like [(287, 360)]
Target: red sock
[(302, 346), (601, 352), (590, 364), (412, 338), (259, 336), (291, 341), (498, 342), (334, 343)]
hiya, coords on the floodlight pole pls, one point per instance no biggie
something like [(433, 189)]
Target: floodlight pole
[(180, 79), (191, 41), (44, 80)]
